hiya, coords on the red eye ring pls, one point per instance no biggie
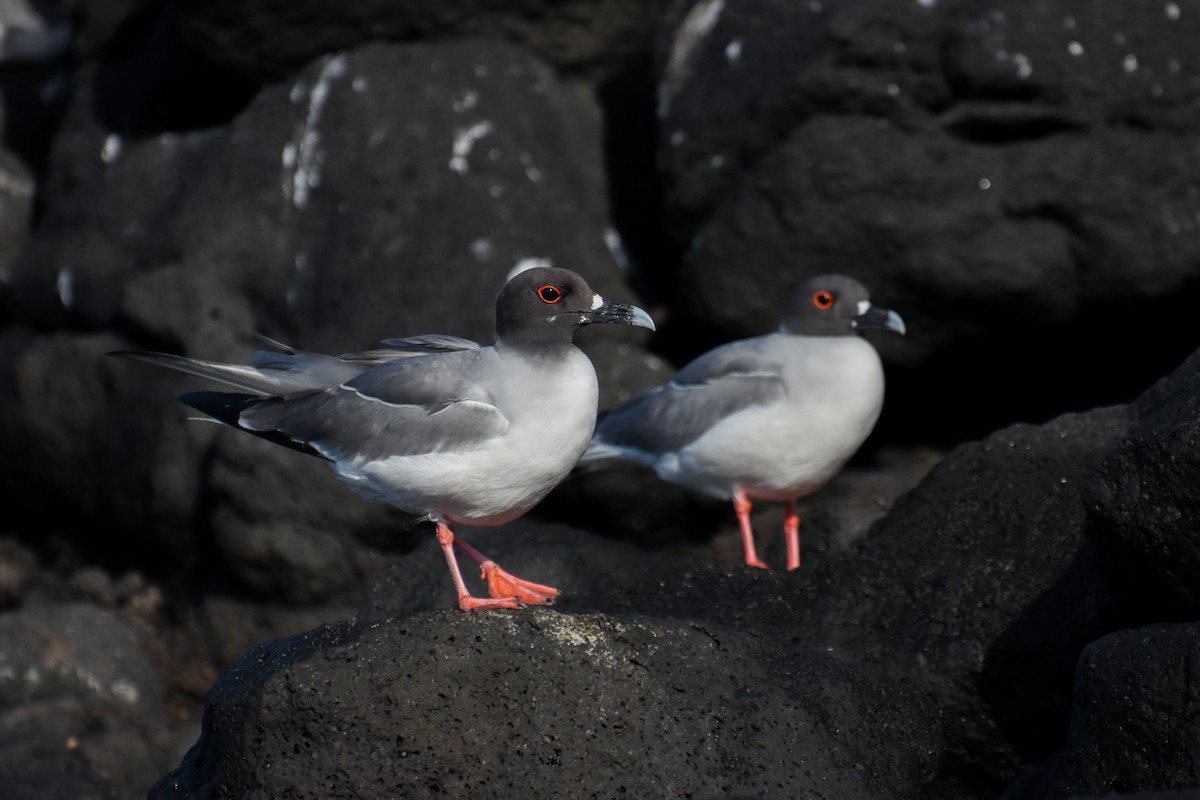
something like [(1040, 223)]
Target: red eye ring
[(823, 300), (549, 294)]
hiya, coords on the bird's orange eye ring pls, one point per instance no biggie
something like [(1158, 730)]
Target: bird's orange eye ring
[(823, 300), (549, 293)]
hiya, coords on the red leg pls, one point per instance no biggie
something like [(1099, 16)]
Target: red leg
[(504, 584), (741, 506), (466, 601), (791, 533)]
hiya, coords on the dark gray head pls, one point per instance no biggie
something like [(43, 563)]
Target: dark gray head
[(546, 305), (835, 305)]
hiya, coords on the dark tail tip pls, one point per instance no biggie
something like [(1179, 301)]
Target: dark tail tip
[(227, 407), (224, 406)]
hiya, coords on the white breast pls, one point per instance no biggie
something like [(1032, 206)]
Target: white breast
[(551, 413), (791, 448)]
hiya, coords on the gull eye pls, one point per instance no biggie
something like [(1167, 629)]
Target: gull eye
[(549, 293), (823, 300)]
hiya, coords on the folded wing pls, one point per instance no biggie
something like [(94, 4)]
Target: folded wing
[(715, 386), (413, 405)]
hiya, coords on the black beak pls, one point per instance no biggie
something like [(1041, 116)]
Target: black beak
[(876, 317), (616, 314)]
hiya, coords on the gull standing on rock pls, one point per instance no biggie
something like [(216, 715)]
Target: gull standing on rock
[(769, 418), (437, 425)]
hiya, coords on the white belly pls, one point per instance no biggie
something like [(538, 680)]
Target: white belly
[(790, 449), (551, 418)]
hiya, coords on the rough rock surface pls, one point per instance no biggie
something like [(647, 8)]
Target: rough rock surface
[(352, 169), (983, 584), (1146, 499), (973, 597), (82, 703), (16, 208), (1132, 724), (1017, 182), (440, 703), (976, 593), (1007, 177), (267, 39)]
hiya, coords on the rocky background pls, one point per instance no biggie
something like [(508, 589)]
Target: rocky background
[(1000, 596)]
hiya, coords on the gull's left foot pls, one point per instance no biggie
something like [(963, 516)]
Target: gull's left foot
[(504, 584)]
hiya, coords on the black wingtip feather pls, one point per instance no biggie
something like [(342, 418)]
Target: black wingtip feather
[(224, 406), (227, 407)]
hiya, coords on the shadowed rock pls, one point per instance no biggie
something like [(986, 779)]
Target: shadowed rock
[(531, 703)]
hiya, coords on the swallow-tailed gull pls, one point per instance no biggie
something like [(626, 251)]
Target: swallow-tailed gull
[(768, 418), (437, 425)]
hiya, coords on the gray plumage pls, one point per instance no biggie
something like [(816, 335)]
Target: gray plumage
[(768, 418), (437, 425), (714, 387), (414, 405)]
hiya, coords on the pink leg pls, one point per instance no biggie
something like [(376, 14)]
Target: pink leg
[(466, 601), (791, 532), (741, 506), (502, 584)]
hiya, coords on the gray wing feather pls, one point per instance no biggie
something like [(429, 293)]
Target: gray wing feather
[(299, 370), (257, 378), (410, 406), (741, 358), (284, 370), (342, 425), (375, 404), (719, 383), (397, 349), (671, 417), (430, 381), (431, 343)]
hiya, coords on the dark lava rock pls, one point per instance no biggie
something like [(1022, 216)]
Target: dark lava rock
[(1146, 501), (17, 571), (540, 703), (966, 607), (1132, 723), (82, 705), (330, 176), (735, 80), (1008, 180), (383, 192), (71, 441), (32, 32), (1016, 182), (103, 25), (267, 40), (16, 209), (981, 585)]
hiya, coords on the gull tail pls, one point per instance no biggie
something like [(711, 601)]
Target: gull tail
[(268, 373), (247, 378), (227, 407), (601, 457)]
